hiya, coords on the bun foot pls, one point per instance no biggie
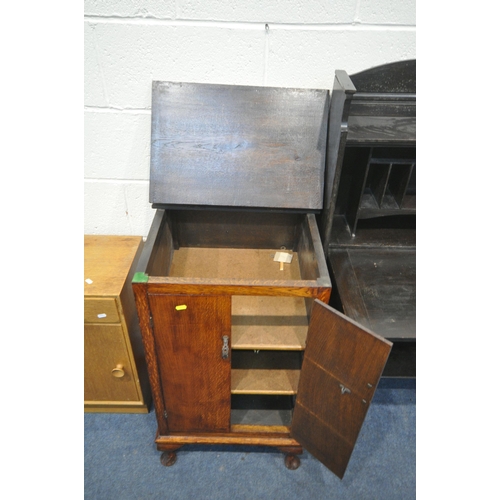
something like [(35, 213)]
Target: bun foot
[(168, 458), (292, 462)]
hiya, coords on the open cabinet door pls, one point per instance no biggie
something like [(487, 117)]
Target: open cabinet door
[(342, 365)]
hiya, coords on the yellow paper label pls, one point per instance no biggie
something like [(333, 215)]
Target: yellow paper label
[(181, 307)]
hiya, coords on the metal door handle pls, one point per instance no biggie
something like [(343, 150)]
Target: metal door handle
[(344, 389), (225, 347)]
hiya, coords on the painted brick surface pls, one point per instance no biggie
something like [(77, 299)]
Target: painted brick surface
[(165, 9), (116, 145), (130, 43), (94, 90), (264, 11), (131, 56), (261, 11), (309, 58), (117, 208), (388, 12)]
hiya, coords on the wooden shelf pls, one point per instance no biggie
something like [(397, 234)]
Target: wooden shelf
[(377, 288), (377, 182), (260, 381), (269, 323), (369, 208), (261, 417)]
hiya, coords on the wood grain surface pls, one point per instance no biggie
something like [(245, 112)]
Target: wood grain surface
[(377, 287), (230, 145), (144, 313), (196, 379), (112, 335), (238, 263), (107, 262), (269, 322), (345, 362), (105, 348)]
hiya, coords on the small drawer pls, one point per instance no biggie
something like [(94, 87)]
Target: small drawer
[(100, 311), (108, 369)]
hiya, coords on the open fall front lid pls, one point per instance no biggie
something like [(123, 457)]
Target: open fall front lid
[(238, 146)]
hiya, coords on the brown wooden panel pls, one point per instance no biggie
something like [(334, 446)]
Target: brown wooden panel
[(264, 381), (210, 286), (377, 287), (236, 229), (163, 244), (345, 361), (254, 438), (214, 144), (387, 282), (144, 313), (394, 77), (105, 348), (107, 263), (196, 380), (228, 263), (352, 300), (372, 236), (96, 310), (269, 322), (381, 129)]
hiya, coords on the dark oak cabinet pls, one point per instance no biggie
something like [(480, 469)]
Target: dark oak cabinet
[(232, 287), (369, 223)]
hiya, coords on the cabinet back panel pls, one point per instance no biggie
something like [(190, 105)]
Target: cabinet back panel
[(212, 228)]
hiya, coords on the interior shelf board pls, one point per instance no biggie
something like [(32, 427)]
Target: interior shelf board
[(262, 418), (409, 202), (269, 323), (370, 208), (368, 213), (258, 381)]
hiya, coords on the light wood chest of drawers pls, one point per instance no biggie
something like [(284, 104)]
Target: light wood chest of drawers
[(115, 378)]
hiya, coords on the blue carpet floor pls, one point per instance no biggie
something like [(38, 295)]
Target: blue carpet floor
[(122, 463)]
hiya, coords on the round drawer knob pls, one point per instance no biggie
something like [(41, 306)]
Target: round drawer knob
[(118, 372)]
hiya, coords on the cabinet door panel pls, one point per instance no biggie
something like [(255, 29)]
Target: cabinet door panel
[(105, 349), (196, 379), (342, 366)]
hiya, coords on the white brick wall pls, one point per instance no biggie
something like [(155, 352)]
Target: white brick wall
[(130, 43)]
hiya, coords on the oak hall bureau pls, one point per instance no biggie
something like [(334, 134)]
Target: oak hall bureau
[(115, 377), (232, 285)]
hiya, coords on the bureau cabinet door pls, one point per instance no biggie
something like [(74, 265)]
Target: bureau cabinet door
[(194, 360), (108, 374), (342, 365)]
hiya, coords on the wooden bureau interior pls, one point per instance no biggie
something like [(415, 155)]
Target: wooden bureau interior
[(370, 238)]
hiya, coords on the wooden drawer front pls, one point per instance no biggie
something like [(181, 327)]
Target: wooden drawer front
[(100, 311), (105, 349)]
